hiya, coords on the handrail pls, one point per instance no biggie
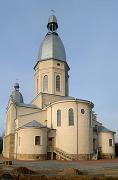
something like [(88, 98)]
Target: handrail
[(62, 153)]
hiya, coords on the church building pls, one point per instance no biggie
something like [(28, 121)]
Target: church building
[(54, 125)]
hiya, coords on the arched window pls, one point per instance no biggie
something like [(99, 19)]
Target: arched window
[(58, 83), (71, 117), (45, 83), (58, 117)]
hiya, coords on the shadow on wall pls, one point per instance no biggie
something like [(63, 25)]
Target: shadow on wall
[(1, 144), (116, 149)]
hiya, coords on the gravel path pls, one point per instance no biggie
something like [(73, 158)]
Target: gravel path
[(100, 167), (82, 165)]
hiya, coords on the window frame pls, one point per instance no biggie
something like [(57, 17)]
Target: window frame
[(110, 142), (58, 83), (58, 118), (71, 117), (37, 142), (45, 83)]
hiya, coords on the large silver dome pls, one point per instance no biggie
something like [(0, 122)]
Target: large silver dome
[(52, 46)]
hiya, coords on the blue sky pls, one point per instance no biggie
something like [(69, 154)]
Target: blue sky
[(89, 31)]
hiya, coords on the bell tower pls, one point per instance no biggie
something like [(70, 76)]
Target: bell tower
[(51, 69)]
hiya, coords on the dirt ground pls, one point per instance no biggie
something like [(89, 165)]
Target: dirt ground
[(34, 170)]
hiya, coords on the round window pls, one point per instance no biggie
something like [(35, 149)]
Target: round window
[(82, 111)]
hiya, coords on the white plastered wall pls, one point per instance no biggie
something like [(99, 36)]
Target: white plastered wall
[(27, 141), (66, 136), (10, 118), (26, 115), (50, 68), (104, 142)]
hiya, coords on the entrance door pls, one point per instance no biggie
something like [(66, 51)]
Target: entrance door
[(50, 142), (48, 155), (54, 156), (94, 145)]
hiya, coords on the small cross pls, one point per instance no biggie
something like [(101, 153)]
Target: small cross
[(52, 11), (17, 80)]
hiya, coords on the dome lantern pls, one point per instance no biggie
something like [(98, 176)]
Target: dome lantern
[(16, 96), (52, 23), (16, 86)]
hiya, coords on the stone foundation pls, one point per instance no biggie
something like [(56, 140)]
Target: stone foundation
[(81, 156), (107, 156), (30, 156)]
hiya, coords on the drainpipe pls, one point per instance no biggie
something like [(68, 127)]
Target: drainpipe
[(16, 143), (47, 139), (51, 116), (90, 125), (16, 131), (51, 127), (90, 130), (77, 128), (42, 100)]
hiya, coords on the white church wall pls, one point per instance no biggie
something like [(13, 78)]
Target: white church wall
[(104, 142), (25, 117), (49, 117), (10, 117), (85, 135), (38, 100), (66, 136), (24, 146), (50, 68)]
